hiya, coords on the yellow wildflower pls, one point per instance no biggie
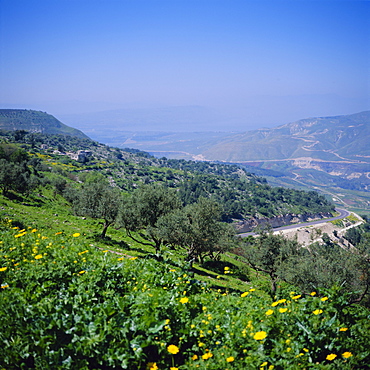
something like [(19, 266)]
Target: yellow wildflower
[(174, 368), (317, 312), (184, 300), (195, 357), (152, 366), (343, 329), (282, 310), (313, 293), (230, 359), (331, 357), (297, 296), (207, 355), (260, 335), (269, 312), (173, 349), (3, 268), (347, 354), (324, 299), (76, 235), (38, 256), (244, 294)]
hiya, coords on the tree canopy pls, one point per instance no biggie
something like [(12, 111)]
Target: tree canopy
[(98, 200), (143, 208), (198, 229)]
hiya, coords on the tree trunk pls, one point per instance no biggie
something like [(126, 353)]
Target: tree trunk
[(274, 279), (105, 228)]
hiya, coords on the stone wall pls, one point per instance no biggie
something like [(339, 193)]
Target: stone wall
[(278, 221)]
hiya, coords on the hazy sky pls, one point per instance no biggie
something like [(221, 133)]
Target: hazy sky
[(263, 62)]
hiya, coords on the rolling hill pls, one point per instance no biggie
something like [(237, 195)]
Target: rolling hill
[(329, 154), (35, 121), (324, 138)]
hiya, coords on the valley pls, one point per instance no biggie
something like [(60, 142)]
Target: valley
[(328, 154), (116, 249)]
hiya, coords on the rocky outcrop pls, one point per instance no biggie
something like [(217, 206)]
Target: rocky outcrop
[(278, 221)]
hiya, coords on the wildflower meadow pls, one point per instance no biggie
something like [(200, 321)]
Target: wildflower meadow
[(68, 305)]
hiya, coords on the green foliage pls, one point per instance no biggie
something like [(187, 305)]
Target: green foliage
[(322, 267), (66, 305), (360, 234), (144, 208), (18, 172), (318, 267), (198, 229), (97, 199), (269, 254)]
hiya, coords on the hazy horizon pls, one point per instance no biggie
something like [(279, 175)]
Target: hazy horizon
[(244, 64)]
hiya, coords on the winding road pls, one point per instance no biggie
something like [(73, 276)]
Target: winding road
[(342, 214)]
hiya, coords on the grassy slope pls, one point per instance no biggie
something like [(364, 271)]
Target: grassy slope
[(51, 212), (71, 300)]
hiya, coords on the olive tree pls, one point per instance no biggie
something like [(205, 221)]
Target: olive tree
[(141, 211), (98, 200), (197, 229), (269, 254)]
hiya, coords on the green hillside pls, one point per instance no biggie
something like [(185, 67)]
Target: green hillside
[(240, 193), (35, 122), (72, 298)]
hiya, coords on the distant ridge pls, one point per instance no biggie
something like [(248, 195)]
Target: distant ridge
[(35, 121), (332, 138)]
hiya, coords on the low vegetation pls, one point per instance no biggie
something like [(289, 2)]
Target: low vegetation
[(97, 276)]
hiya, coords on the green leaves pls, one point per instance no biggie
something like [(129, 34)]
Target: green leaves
[(82, 308), (98, 200)]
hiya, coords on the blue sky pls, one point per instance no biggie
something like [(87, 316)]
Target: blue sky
[(262, 63)]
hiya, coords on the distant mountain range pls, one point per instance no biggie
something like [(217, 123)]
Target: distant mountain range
[(35, 121), (335, 138)]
